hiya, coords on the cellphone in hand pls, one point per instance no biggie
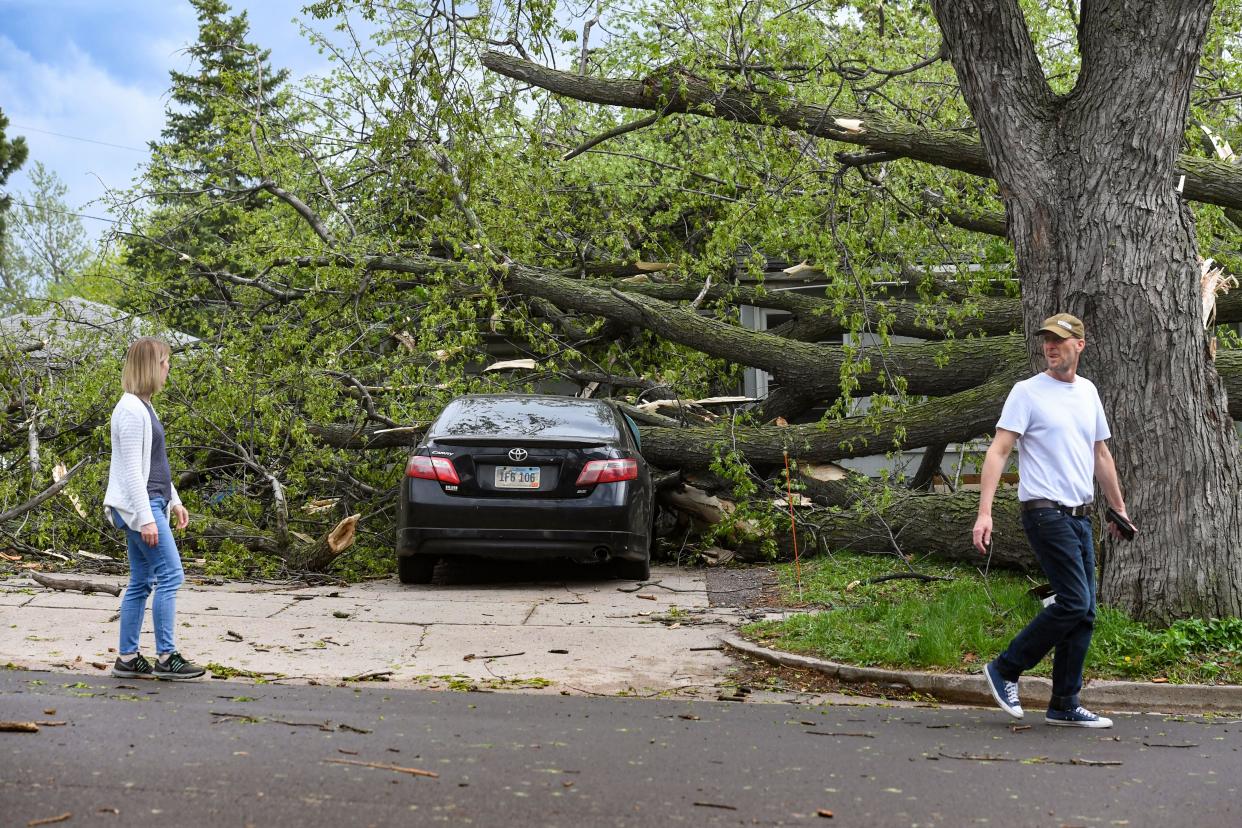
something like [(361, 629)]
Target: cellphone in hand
[(1124, 526)]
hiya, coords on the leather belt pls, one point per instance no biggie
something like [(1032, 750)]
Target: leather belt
[(1072, 511)]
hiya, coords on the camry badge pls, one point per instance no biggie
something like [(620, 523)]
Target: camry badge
[(517, 455)]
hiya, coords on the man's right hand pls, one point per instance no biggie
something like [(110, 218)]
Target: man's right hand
[(982, 534), (150, 534)]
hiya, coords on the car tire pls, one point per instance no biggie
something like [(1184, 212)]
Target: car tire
[(626, 570), (416, 569)]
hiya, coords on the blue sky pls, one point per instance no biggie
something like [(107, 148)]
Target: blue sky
[(98, 70)]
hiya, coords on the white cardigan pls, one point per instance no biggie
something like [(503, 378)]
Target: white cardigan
[(131, 464)]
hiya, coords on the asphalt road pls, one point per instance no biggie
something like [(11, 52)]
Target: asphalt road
[(135, 753)]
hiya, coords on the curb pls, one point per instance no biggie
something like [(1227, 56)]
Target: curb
[(1127, 696)]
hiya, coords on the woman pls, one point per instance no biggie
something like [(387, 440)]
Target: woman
[(139, 499)]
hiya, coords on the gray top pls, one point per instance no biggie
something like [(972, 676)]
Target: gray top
[(159, 482)]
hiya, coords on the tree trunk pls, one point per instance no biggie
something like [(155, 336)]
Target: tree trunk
[(1099, 231), (913, 525)]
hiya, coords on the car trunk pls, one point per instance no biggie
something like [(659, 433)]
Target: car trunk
[(492, 468)]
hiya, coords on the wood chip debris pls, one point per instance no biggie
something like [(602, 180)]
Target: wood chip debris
[(18, 727)]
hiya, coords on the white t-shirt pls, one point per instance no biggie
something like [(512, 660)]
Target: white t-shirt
[(1058, 424)]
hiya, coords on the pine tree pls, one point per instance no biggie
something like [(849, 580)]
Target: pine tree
[(202, 176), (12, 156)]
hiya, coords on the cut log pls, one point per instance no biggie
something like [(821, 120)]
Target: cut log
[(61, 584)]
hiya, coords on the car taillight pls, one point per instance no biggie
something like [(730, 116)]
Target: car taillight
[(608, 471), (432, 468)]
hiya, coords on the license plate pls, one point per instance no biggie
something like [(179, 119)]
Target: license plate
[(517, 477)]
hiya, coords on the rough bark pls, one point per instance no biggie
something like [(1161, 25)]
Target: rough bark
[(1099, 231), (671, 91), (955, 418)]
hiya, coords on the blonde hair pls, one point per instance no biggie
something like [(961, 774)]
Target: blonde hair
[(141, 374)]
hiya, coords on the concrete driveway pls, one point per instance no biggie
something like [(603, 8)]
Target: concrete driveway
[(569, 631)]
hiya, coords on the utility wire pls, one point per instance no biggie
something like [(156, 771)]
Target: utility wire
[(74, 137), (65, 212)]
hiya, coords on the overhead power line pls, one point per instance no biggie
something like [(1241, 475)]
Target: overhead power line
[(74, 137), (65, 212)]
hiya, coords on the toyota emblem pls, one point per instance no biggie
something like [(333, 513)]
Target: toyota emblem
[(517, 455)]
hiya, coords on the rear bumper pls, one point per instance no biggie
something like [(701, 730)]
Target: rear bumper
[(584, 546), (613, 521)]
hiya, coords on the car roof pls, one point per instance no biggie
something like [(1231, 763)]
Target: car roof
[(526, 416)]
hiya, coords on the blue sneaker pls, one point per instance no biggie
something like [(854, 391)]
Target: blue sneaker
[(1005, 692), (1077, 717)]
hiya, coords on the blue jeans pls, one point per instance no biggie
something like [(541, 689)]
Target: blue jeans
[(1066, 552), (155, 568)]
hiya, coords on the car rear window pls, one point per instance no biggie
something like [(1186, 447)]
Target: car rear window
[(528, 417)]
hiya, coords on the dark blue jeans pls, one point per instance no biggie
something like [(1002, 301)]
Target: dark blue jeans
[(1066, 552)]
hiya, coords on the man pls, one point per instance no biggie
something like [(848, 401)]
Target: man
[(1057, 422)]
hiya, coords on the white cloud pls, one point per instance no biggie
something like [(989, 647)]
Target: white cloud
[(77, 97), (100, 72)]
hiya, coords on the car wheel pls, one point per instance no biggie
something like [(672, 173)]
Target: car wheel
[(632, 570), (416, 569)]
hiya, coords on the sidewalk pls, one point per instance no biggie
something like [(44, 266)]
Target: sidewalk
[(662, 637), (591, 636)]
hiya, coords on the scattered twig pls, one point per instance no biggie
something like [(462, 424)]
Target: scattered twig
[(384, 766), (1164, 744), (374, 675), (716, 805), (838, 733), (1041, 760), (326, 726), (897, 576), (472, 656), (50, 820)]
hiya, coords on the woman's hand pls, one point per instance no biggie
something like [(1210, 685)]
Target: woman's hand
[(181, 518), (150, 534)]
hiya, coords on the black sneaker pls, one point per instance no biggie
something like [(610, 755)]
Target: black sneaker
[(175, 668), (136, 667)]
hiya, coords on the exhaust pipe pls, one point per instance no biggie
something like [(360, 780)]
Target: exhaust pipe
[(601, 553)]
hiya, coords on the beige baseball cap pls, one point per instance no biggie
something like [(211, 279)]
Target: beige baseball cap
[(1064, 326)]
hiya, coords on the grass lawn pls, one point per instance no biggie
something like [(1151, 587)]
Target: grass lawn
[(957, 625)]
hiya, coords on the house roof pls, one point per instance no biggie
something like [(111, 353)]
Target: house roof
[(74, 322)]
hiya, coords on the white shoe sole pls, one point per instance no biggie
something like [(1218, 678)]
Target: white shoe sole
[(1097, 725)]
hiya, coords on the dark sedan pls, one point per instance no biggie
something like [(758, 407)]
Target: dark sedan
[(526, 477)]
